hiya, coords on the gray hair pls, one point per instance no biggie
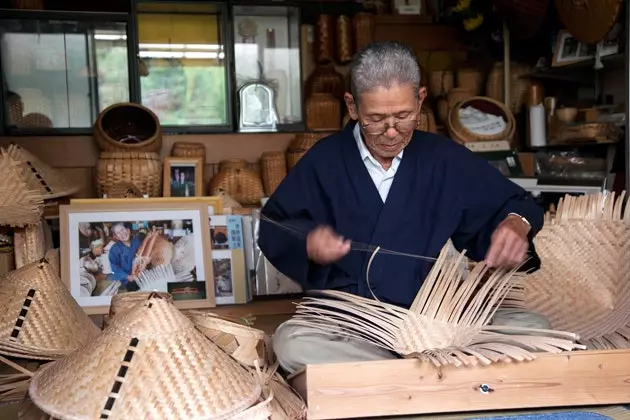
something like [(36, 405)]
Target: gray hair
[(383, 64)]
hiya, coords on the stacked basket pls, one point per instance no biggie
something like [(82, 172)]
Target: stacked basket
[(130, 138)]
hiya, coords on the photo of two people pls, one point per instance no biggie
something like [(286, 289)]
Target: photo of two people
[(183, 181), (119, 257)]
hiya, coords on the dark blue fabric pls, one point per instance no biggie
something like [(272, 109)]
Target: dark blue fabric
[(121, 258), (441, 190)]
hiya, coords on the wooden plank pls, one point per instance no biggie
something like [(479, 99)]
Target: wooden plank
[(404, 387), (279, 306)]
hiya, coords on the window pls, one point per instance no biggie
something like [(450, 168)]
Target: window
[(183, 72), (61, 74)]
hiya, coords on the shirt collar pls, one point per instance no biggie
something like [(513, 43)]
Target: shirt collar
[(363, 150)]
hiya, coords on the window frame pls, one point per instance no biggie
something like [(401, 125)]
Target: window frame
[(47, 15)]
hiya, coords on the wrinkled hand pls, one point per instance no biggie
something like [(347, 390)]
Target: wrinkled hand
[(325, 246), (509, 243)]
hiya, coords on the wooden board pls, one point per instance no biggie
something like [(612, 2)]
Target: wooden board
[(403, 387)]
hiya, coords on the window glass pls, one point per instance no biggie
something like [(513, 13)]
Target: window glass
[(61, 74), (182, 64)]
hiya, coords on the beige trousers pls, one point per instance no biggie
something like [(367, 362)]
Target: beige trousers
[(297, 346)]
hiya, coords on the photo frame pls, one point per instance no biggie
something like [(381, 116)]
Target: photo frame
[(183, 177), (214, 202), (109, 248), (569, 50)]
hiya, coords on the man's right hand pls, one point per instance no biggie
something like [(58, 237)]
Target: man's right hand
[(325, 246), (131, 278)]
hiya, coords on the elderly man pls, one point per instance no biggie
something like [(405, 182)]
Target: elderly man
[(380, 182)]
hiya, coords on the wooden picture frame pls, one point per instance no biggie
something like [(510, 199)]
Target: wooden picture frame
[(214, 202), (188, 168), (89, 232), (569, 50)]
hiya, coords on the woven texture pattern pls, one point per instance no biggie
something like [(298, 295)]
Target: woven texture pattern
[(30, 244), (150, 363), (40, 319), (448, 322), (19, 206), (584, 282), (144, 170)]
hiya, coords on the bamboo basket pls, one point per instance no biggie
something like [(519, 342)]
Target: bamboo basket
[(124, 189), (323, 112), (243, 185), (233, 164), (144, 170), (300, 145), (343, 32), (324, 39), (441, 82), (128, 127), (471, 79), (189, 149), (363, 25), (457, 95), (274, 169), (518, 85), (426, 120), (461, 134), (325, 79)]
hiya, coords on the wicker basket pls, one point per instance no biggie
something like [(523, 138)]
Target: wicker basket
[(426, 120), (343, 32), (441, 82), (461, 134), (128, 127), (243, 185), (189, 149), (457, 95), (300, 145), (363, 25), (324, 45), (325, 79), (600, 132), (233, 164), (144, 170), (518, 85), (274, 169), (470, 79), (323, 112)]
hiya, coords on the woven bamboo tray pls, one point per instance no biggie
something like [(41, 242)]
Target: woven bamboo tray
[(142, 169)]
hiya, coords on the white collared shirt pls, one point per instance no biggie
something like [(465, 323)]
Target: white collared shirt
[(382, 178)]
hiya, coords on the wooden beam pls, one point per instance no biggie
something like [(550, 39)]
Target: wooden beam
[(405, 387)]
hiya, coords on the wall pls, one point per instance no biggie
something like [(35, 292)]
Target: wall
[(77, 156)]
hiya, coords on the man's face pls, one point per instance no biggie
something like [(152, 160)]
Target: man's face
[(384, 107), (97, 251), (182, 177), (121, 233)]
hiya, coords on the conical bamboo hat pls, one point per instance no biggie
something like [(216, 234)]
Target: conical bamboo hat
[(39, 318), (19, 206), (39, 178), (150, 363), (583, 284)]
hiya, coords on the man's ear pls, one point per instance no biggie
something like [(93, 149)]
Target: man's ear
[(422, 94), (352, 106)]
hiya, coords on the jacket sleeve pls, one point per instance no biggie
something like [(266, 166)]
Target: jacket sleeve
[(486, 197), (293, 210)]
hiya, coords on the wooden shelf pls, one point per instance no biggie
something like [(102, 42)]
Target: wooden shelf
[(263, 307), (403, 20), (581, 72)]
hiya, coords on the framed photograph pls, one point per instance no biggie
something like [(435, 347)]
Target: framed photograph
[(214, 203), (183, 177), (108, 249), (569, 50)]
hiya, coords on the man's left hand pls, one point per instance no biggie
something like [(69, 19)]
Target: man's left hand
[(509, 243)]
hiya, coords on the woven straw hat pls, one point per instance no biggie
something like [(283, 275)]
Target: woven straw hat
[(583, 284), (39, 317), (150, 363)]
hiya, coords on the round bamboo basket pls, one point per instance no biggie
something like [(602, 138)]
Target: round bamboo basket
[(457, 95), (343, 32), (274, 169), (325, 79), (300, 145), (323, 112), (426, 120), (461, 134), (128, 127), (233, 164), (363, 25), (243, 185), (124, 190), (441, 82), (519, 85), (189, 149), (144, 170), (324, 39), (471, 79)]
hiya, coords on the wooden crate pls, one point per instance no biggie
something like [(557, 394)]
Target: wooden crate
[(405, 387)]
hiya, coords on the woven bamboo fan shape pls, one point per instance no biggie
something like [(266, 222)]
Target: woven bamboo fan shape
[(39, 317), (244, 185), (589, 21), (584, 282), (150, 363), (447, 322)]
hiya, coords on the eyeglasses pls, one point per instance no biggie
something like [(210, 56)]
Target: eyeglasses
[(402, 126)]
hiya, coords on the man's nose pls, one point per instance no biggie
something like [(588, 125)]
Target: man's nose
[(391, 132)]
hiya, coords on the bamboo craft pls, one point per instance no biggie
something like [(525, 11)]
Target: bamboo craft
[(447, 323), (584, 282), (144, 170)]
